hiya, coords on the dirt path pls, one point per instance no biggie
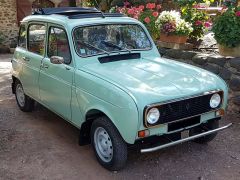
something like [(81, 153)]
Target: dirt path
[(40, 145)]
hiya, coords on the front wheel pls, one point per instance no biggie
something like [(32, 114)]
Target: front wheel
[(109, 147), (210, 125), (24, 102)]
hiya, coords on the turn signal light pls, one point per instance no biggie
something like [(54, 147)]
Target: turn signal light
[(143, 133), (220, 112)]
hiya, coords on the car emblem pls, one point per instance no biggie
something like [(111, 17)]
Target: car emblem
[(187, 106)]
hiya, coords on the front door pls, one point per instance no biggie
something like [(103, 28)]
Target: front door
[(55, 80)]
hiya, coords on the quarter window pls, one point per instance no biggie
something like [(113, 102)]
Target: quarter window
[(36, 38), (58, 44), (22, 36)]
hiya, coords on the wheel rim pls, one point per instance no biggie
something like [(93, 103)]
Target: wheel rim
[(103, 144), (20, 95)]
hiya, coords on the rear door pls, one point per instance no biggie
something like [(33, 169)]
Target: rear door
[(55, 80), (36, 37)]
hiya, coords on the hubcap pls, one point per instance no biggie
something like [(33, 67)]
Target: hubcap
[(103, 144), (20, 95)]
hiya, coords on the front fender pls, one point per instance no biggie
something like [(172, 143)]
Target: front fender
[(95, 93)]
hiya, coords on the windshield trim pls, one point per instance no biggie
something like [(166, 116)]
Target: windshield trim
[(112, 52)]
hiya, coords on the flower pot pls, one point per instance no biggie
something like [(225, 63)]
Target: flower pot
[(173, 38), (226, 51)]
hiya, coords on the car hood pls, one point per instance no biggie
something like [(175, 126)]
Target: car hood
[(155, 80)]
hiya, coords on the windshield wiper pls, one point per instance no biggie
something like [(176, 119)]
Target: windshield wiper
[(116, 46), (83, 42)]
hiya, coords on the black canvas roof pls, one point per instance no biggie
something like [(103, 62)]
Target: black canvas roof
[(76, 12), (66, 10)]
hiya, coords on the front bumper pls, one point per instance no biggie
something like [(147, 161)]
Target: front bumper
[(184, 140)]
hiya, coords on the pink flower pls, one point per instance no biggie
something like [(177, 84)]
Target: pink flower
[(150, 5), (198, 23), (159, 6), (130, 11), (135, 17), (147, 20), (169, 28), (196, 6), (139, 10), (155, 14), (153, 5), (237, 13), (126, 3), (207, 24), (141, 7)]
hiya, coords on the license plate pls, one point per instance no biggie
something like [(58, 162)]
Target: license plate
[(184, 134)]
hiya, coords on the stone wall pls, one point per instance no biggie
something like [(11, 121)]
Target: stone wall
[(8, 20), (8, 16), (226, 68)]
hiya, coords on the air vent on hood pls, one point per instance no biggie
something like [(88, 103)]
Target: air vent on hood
[(119, 57)]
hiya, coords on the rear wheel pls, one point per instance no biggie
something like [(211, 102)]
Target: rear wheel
[(24, 102), (210, 125), (109, 147)]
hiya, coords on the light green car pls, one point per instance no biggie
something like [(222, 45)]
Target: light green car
[(103, 74)]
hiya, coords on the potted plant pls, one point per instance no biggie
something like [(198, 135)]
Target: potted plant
[(199, 19), (226, 28), (173, 28)]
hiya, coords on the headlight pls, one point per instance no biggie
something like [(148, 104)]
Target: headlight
[(215, 100), (153, 116)]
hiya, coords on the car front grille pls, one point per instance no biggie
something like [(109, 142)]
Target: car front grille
[(183, 109)]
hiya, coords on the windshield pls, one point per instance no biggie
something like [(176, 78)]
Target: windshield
[(99, 39)]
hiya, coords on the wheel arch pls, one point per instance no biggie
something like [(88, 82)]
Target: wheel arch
[(93, 114), (14, 79), (90, 116)]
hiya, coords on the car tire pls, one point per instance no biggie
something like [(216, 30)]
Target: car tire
[(210, 125), (110, 148), (24, 102)]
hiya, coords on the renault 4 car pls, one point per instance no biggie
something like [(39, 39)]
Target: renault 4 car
[(103, 73)]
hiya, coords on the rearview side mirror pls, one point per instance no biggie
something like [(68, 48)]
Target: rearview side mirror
[(57, 60)]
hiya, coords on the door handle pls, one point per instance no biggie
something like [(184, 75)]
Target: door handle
[(45, 66), (67, 68), (26, 58)]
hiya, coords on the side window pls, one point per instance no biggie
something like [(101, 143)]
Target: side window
[(36, 38), (58, 44), (22, 36)]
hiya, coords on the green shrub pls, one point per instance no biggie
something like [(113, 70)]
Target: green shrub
[(226, 27), (198, 19)]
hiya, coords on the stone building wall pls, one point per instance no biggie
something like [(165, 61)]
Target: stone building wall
[(8, 20), (8, 16), (227, 68)]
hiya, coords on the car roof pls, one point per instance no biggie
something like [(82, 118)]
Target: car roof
[(72, 17)]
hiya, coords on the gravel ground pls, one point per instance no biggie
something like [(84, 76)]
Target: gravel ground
[(41, 145)]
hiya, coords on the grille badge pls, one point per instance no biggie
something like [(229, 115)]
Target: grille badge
[(187, 106)]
